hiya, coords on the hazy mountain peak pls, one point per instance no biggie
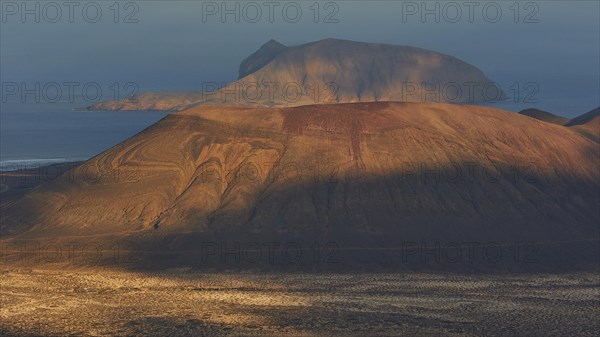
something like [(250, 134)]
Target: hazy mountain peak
[(272, 43), (361, 71), (588, 124), (261, 57), (586, 117), (544, 116)]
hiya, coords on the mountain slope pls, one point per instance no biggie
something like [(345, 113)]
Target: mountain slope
[(370, 175)]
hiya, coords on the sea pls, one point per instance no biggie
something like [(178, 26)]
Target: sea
[(35, 134)]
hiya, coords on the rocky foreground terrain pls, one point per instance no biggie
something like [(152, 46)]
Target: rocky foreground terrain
[(179, 302)]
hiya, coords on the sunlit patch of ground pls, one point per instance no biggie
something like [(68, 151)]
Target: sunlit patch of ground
[(42, 302)]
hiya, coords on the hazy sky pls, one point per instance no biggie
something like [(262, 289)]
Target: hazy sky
[(178, 45)]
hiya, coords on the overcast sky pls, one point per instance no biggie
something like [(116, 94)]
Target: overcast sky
[(178, 45)]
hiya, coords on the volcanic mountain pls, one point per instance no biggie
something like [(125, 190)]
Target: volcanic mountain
[(333, 71), (370, 178)]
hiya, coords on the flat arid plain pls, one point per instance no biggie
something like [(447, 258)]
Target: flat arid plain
[(183, 302)]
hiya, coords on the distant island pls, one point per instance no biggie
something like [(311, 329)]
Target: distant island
[(332, 71)]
